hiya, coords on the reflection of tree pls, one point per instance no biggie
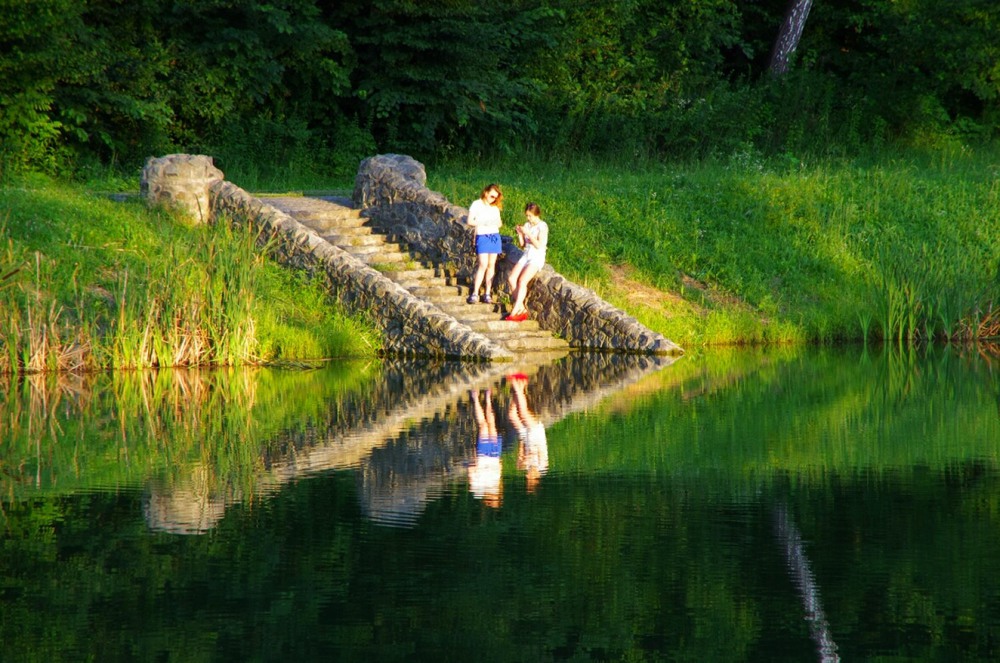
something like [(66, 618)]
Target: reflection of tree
[(196, 439), (799, 567)]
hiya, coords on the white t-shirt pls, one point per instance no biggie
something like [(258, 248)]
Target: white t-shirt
[(484, 217)]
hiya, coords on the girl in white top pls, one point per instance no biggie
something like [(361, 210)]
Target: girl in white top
[(534, 237), (484, 216)]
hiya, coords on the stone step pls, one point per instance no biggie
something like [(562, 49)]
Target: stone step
[(406, 275), (329, 213), (376, 250), (312, 209), (325, 224), (356, 240), (527, 342), (505, 326), (475, 317), (353, 231), (457, 308), (431, 282), (382, 262), (431, 292)]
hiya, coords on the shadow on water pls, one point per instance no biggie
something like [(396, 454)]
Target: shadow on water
[(198, 442)]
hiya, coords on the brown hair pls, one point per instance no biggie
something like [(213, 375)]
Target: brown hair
[(493, 187), (533, 208)]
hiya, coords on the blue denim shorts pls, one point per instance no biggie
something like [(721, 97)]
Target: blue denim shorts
[(488, 243)]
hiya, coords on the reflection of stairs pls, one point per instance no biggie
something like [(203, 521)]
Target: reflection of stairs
[(335, 221)]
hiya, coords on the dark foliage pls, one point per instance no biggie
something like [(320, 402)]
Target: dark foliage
[(321, 83)]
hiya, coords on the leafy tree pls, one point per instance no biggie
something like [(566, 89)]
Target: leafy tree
[(622, 72), (919, 66), (428, 72), (115, 98), (35, 45)]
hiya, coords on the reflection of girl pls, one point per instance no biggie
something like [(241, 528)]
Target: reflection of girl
[(484, 216), (533, 455), (534, 237), (485, 472)]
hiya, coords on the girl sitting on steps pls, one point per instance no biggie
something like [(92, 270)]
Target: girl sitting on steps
[(534, 237)]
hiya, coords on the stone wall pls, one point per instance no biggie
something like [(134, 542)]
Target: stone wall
[(409, 326), (391, 190), (181, 182)]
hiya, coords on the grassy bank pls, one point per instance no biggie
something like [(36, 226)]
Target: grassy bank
[(903, 248), (749, 249), (88, 283)]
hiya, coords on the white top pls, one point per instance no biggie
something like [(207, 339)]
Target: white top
[(536, 239), (485, 218)]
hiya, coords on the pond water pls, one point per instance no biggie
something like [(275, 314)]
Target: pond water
[(732, 505)]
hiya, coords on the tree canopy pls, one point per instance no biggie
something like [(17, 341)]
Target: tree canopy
[(330, 81)]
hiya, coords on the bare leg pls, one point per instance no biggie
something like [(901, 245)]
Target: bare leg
[(491, 267), (480, 273), (524, 278), (512, 279)]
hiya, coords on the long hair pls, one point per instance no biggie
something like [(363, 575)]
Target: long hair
[(498, 203)]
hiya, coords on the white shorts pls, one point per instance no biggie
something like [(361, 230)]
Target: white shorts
[(535, 258)]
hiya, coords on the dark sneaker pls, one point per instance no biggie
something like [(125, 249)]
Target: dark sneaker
[(486, 299), (471, 300)]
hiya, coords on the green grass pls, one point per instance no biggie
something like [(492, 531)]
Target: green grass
[(747, 249), (900, 247), (87, 283)]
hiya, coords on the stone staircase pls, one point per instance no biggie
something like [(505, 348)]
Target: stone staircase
[(333, 219)]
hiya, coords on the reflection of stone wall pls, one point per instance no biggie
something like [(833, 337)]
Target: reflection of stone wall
[(390, 189), (412, 434), (396, 480), (188, 507)]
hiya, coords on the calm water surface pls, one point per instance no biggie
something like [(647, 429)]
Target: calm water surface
[(777, 505)]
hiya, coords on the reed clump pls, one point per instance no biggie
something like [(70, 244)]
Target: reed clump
[(89, 284)]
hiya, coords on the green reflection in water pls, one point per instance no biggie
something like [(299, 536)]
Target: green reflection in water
[(655, 535), (211, 429), (741, 416), (746, 414)]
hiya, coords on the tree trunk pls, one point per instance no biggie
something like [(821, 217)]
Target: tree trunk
[(788, 37)]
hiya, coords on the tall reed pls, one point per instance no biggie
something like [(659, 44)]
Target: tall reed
[(934, 292), (191, 313)]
